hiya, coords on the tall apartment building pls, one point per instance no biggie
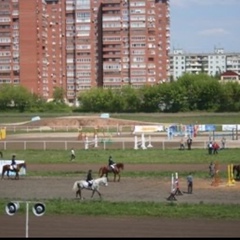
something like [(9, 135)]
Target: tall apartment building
[(212, 64), (80, 44)]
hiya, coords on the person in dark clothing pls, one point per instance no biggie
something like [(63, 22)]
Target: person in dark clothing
[(73, 156), (211, 169), (190, 183), (13, 161), (1, 154), (189, 143), (89, 178), (210, 148), (111, 163)]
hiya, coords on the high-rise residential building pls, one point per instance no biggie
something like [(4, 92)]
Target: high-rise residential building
[(80, 44), (212, 63)]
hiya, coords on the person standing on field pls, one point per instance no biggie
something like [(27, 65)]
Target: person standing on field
[(190, 183), (73, 156)]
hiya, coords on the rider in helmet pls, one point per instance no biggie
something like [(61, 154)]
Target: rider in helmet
[(89, 178), (111, 163), (13, 163)]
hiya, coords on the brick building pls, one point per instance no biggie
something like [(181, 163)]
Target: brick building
[(80, 44)]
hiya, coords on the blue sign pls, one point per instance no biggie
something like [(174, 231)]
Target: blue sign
[(210, 127)]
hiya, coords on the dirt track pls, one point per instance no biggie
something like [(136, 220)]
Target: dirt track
[(128, 189)]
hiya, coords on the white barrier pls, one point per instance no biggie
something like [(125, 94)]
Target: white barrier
[(5, 162), (94, 142), (142, 143)]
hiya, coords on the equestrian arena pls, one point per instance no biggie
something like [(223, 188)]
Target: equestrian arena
[(128, 189)]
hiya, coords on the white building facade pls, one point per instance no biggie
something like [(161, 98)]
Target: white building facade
[(211, 63)]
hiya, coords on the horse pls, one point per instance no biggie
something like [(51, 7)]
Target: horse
[(78, 186), (8, 168), (236, 170), (106, 169)]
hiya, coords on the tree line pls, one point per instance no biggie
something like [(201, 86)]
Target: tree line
[(190, 92)]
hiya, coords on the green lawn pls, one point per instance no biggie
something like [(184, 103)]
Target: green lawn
[(149, 156)]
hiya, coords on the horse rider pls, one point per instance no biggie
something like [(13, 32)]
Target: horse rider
[(111, 163), (13, 163), (89, 178)]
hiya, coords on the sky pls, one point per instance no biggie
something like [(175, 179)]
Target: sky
[(199, 26)]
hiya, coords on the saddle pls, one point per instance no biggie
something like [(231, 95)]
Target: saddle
[(89, 185), (13, 168)]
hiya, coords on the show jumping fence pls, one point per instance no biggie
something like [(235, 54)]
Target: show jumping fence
[(231, 180)]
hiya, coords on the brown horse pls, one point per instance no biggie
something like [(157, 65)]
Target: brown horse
[(8, 168), (106, 169), (236, 170)]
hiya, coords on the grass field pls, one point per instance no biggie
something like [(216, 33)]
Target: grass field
[(150, 156), (184, 118)]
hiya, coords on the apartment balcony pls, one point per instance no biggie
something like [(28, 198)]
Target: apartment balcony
[(111, 55), (111, 5), (15, 14), (16, 68), (111, 1), (5, 21), (108, 49)]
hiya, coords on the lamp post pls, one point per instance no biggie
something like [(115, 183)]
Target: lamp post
[(38, 210)]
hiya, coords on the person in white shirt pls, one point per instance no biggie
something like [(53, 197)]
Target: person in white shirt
[(73, 156)]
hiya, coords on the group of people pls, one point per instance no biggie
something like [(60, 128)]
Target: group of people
[(111, 165), (213, 147), (189, 143)]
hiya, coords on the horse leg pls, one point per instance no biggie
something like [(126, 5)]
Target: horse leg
[(80, 193), (93, 191), (99, 194), (77, 193), (17, 175)]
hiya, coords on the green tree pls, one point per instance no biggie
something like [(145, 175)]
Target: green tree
[(58, 95)]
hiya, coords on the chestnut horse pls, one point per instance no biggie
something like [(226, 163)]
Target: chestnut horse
[(8, 168), (106, 169)]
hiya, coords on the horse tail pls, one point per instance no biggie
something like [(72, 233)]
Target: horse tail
[(3, 170), (75, 186), (100, 172)]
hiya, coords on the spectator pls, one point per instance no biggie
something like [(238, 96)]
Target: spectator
[(215, 148), (182, 144), (189, 143), (210, 148), (223, 142), (190, 183), (211, 169)]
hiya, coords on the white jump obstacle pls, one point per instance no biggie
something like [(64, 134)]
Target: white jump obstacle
[(142, 143), (93, 142), (175, 190)]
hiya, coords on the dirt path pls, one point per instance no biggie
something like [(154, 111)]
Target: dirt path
[(128, 189)]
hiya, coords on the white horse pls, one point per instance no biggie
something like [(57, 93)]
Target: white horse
[(83, 184)]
